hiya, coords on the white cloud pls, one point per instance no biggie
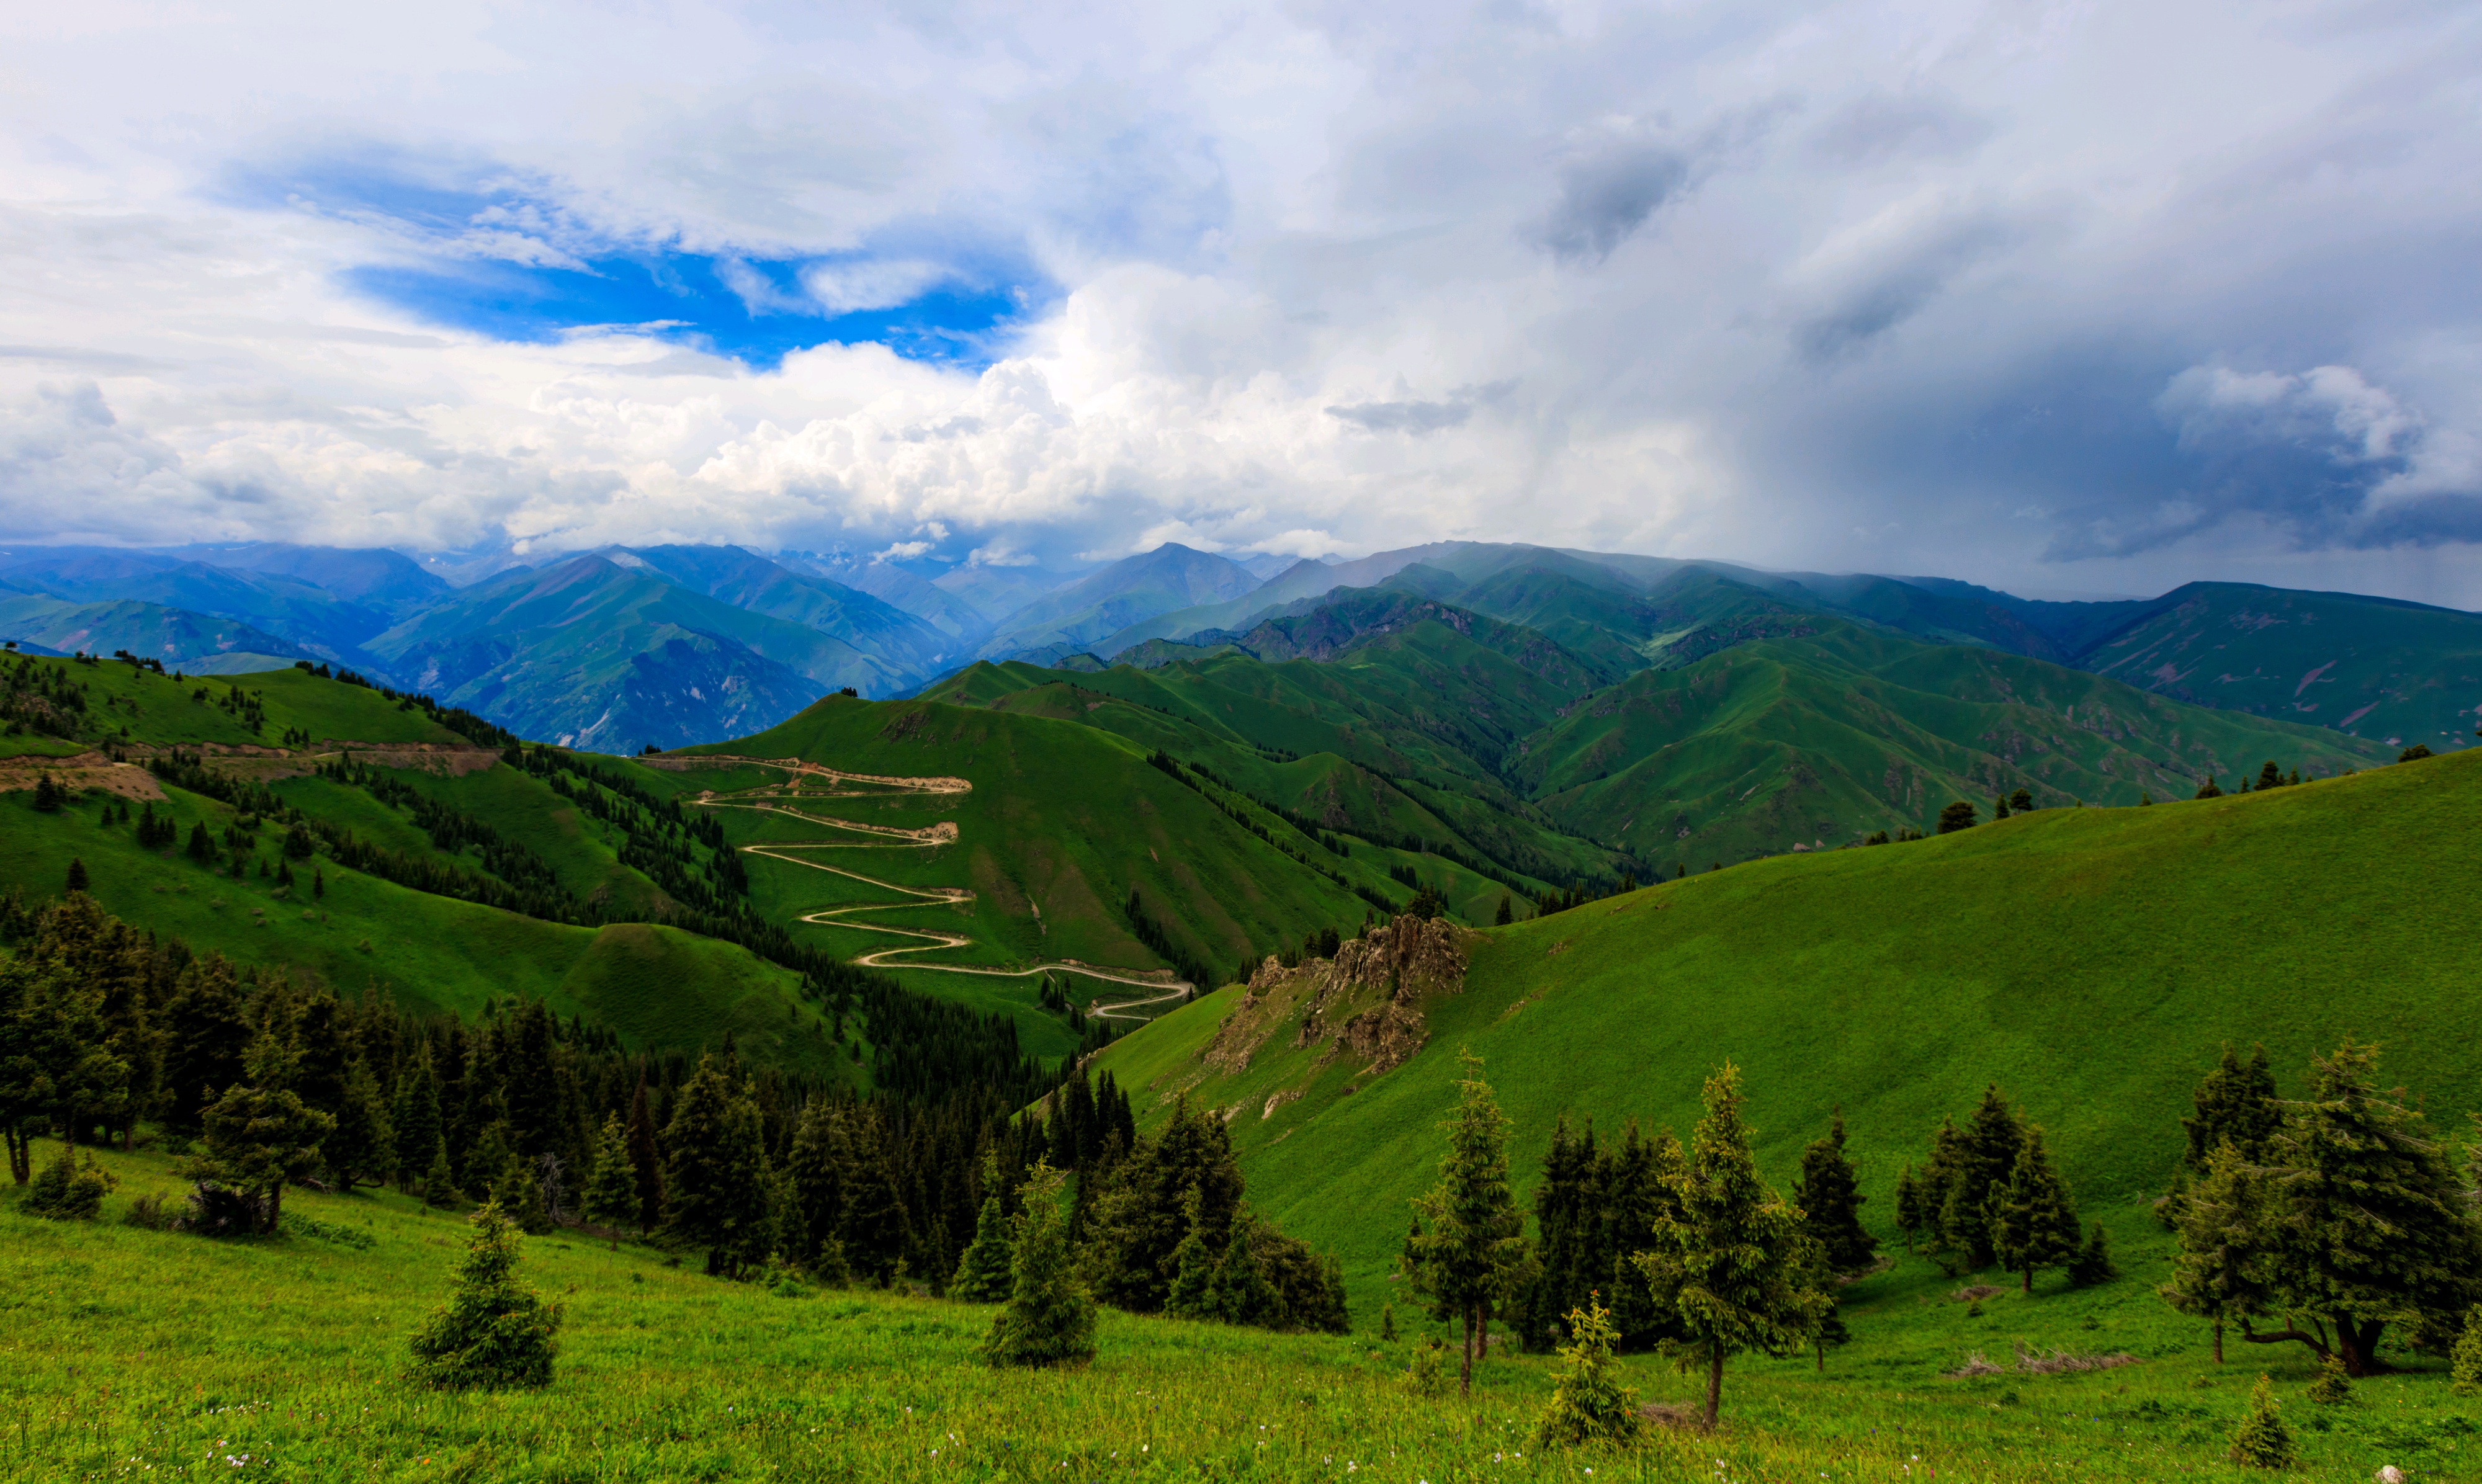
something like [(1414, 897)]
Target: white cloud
[(1851, 285)]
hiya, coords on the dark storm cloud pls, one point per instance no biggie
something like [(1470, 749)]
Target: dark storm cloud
[(1607, 196)]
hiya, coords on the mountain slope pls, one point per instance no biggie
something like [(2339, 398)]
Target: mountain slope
[(2374, 667), (1821, 737), (373, 576), (1171, 576), (2088, 961), (912, 649), (898, 588), (599, 657), (177, 637), (304, 615)]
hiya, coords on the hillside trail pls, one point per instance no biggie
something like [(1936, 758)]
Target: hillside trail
[(814, 780)]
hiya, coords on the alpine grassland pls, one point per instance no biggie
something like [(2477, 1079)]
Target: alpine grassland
[(134, 1352), (2088, 962)]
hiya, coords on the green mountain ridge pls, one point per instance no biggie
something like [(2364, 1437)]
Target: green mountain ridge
[(2089, 962)]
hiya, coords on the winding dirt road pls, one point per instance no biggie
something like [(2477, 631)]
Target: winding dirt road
[(807, 781)]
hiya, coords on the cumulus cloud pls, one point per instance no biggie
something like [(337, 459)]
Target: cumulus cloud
[(1848, 288)]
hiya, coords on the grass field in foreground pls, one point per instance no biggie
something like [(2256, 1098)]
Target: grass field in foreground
[(130, 1353)]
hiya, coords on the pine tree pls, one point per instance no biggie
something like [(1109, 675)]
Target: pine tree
[(362, 1149), (2332, 1386), (2022, 800), (1192, 1281), (2465, 1362), (716, 1182), (1735, 1264), (983, 1272), (416, 1116), (646, 1157), (1506, 911), (2210, 789), (2235, 1103), (261, 1137), (2032, 1224), (1050, 1318), (439, 1179), (1909, 1206), (2368, 1216), (1978, 1166), (1239, 1293), (1387, 1324), (1471, 1256), (612, 1184), (518, 1192), (493, 1333), (1998, 808), (77, 874), (2262, 1442), (2092, 1262), (202, 845), (1588, 1404), (1831, 1201), (2269, 777), (1956, 816), (67, 1190)]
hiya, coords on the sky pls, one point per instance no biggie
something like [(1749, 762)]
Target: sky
[(2070, 299)]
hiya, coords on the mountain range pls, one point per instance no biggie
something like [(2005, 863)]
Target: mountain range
[(621, 649)]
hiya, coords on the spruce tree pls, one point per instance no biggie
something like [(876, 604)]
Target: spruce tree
[(1506, 912), (1238, 1293), (518, 1192), (2465, 1361), (261, 1137), (493, 1333), (2332, 1386), (1387, 1324), (646, 1157), (77, 881), (2032, 1224), (1588, 1404), (2269, 777), (1831, 1199), (2262, 1442), (1471, 1256), (982, 1273), (1049, 1317), (2236, 1104), (716, 1184), (820, 1166), (1979, 1163), (2092, 1262), (67, 1190), (362, 1149), (1956, 816), (2369, 1222), (439, 1179), (1193, 1283), (1735, 1264), (2208, 789), (1909, 1206), (612, 1184), (416, 1117)]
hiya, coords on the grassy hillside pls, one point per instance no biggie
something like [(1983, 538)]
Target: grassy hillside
[(2395, 672), (2089, 960), (660, 989), (664, 1374), (1057, 823), (1823, 738)]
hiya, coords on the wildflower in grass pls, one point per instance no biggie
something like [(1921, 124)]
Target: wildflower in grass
[(1049, 1319), (493, 1333), (1587, 1403), (2262, 1442)]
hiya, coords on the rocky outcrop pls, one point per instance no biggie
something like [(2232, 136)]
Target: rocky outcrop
[(1367, 1000)]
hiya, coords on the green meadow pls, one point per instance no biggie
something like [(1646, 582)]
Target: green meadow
[(132, 1352)]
